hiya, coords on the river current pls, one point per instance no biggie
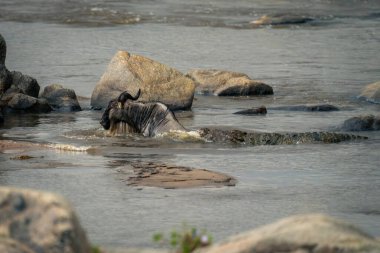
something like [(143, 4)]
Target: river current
[(326, 61)]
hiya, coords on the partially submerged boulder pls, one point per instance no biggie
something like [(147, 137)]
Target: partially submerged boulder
[(371, 92), (362, 123), (60, 98), (281, 19), (23, 103), (262, 110), (227, 83), (33, 221), (260, 138), (303, 233), (307, 108), (5, 75), (27, 84), (158, 82)]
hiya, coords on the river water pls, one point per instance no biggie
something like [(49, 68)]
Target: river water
[(326, 61)]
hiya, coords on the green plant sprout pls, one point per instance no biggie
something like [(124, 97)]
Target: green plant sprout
[(186, 241)]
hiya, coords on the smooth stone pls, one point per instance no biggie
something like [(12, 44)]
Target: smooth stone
[(60, 98), (310, 233), (281, 19), (227, 83), (362, 123), (371, 92), (158, 82), (24, 103)]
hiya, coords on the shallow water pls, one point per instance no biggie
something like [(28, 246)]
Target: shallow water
[(328, 61)]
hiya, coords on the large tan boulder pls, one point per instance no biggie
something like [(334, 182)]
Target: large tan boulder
[(33, 221), (371, 92), (227, 83), (158, 82), (313, 233)]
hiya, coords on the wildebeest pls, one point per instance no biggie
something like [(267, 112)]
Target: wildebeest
[(125, 115)]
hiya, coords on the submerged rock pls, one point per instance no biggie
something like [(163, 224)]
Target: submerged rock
[(33, 221), (307, 108), (60, 98), (259, 138), (371, 92), (173, 177), (23, 103), (5, 75), (281, 19), (158, 82), (253, 111), (362, 123), (303, 233), (227, 83)]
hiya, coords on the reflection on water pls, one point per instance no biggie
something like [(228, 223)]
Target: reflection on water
[(328, 62)]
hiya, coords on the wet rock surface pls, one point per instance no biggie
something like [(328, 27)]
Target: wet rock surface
[(307, 108), (371, 92), (60, 98), (281, 19), (312, 233), (260, 138), (362, 123), (158, 82), (173, 177), (227, 83), (33, 221), (253, 111)]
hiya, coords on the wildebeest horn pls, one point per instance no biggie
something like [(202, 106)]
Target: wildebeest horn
[(124, 96)]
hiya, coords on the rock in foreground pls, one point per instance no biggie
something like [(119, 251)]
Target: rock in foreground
[(32, 221), (260, 138), (158, 82), (313, 233), (172, 177), (227, 83), (362, 123), (371, 92)]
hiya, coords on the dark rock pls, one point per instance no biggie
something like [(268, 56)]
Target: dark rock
[(27, 84), (307, 108), (23, 103), (227, 83), (32, 221), (157, 82), (3, 50), (371, 92), (260, 138), (362, 123), (281, 19), (5, 79), (60, 98), (254, 111)]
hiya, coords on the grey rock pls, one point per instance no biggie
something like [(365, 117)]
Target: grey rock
[(307, 108), (227, 83), (281, 19), (23, 103), (158, 82), (311, 233), (362, 123), (253, 111), (5, 79), (60, 98), (38, 222), (371, 92), (260, 138), (27, 84)]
